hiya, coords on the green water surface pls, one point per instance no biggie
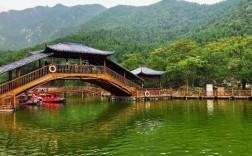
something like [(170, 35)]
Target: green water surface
[(94, 126)]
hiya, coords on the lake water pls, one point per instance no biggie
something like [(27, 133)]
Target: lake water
[(94, 126)]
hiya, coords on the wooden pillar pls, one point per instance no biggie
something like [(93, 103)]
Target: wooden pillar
[(47, 87), (10, 75), (81, 60), (159, 81), (124, 74), (142, 84), (17, 72), (14, 102), (104, 63)]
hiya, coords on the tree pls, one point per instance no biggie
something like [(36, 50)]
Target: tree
[(131, 61), (157, 59), (239, 60), (182, 59)]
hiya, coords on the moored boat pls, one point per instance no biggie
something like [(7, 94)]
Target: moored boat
[(53, 98), (34, 99)]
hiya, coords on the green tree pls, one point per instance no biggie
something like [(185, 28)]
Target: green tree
[(179, 55), (157, 59), (215, 69), (131, 61), (239, 60)]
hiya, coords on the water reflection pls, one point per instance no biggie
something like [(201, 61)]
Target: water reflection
[(210, 107), (97, 127)]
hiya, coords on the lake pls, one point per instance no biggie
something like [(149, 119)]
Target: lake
[(95, 126)]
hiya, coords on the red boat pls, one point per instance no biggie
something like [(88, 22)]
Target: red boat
[(53, 98)]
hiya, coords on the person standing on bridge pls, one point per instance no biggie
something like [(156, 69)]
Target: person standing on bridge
[(67, 65)]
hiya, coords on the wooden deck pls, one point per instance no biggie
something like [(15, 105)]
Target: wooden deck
[(164, 94)]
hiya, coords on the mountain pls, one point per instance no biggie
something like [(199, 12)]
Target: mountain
[(237, 23), (26, 28), (128, 29), (139, 30)]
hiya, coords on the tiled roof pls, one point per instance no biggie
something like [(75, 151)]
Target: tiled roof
[(147, 71), (76, 48), (34, 57)]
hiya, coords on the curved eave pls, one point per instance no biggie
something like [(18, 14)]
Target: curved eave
[(148, 74), (52, 49)]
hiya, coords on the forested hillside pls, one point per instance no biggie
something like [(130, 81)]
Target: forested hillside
[(127, 29), (196, 44), (26, 28), (236, 23)]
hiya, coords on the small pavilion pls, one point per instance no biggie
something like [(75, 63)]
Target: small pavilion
[(147, 73)]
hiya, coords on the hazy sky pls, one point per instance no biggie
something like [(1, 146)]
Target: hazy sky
[(22, 4)]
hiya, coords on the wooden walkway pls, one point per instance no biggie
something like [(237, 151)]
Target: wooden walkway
[(165, 94), (100, 75)]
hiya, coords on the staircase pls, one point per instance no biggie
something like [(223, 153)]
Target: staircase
[(7, 103)]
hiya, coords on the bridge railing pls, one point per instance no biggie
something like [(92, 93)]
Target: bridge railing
[(15, 83), (10, 85), (122, 79), (91, 69)]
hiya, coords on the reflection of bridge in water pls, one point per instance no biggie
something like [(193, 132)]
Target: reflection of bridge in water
[(110, 122)]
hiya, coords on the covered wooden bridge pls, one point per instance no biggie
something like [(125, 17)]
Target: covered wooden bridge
[(88, 64)]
